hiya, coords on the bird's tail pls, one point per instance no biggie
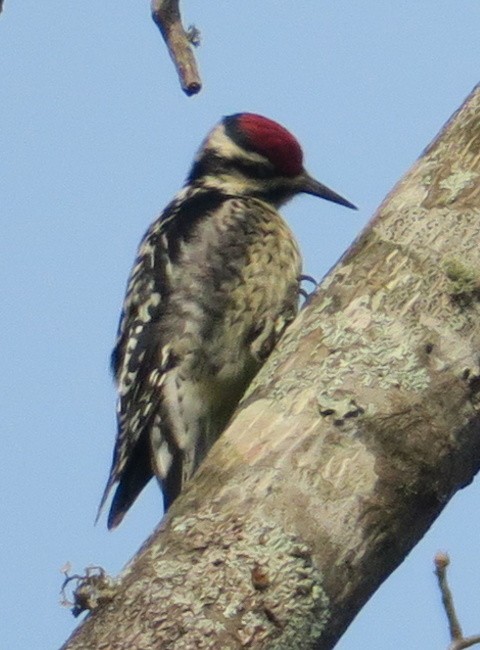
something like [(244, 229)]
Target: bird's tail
[(134, 477)]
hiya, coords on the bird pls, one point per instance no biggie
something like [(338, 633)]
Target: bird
[(215, 283)]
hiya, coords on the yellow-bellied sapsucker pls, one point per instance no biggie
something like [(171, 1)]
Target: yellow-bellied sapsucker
[(214, 286)]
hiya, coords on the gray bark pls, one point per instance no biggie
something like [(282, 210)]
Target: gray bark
[(354, 436)]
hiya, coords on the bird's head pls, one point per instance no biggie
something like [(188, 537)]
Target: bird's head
[(250, 155)]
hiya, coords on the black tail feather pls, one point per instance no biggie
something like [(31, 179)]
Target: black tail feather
[(137, 473)]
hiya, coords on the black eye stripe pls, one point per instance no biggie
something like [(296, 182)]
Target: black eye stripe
[(252, 168), (210, 164)]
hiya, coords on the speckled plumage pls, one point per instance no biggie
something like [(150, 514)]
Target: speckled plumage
[(214, 286)]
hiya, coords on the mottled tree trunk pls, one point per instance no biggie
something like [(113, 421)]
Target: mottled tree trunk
[(354, 436)]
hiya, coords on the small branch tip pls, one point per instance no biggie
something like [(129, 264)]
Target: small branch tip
[(441, 561), (166, 15)]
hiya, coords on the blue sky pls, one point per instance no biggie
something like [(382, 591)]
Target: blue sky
[(96, 137)]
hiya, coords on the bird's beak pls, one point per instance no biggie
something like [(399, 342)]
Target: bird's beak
[(310, 186)]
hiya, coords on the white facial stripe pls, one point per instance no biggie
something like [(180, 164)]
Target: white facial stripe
[(219, 140)]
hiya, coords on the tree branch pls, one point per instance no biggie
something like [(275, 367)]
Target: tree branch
[(166, 15), (459, 642), (353, 437)]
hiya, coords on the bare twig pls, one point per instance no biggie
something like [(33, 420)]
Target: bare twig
[(94, 589), (458, 640), (166, 15), (441, 562)]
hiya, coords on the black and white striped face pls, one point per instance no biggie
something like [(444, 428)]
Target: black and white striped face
[(250, 155)]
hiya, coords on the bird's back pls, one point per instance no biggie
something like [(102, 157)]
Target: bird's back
[(227, 292)]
